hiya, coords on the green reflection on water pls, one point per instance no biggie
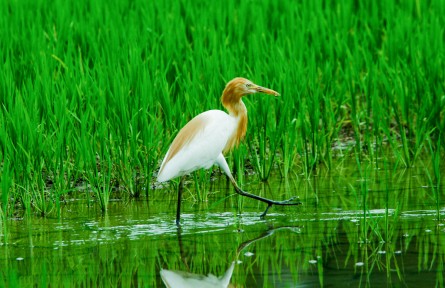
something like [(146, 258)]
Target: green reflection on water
[(369, 227)]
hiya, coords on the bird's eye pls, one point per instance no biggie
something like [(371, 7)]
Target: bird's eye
[(248, 85)]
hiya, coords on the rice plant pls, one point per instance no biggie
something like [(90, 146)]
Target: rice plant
[(86, 84)]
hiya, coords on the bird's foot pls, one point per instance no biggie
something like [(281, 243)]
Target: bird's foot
[(292, 201)]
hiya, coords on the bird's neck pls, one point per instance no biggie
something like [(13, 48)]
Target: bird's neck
[(231, 100), (239, 112), (237, 109)]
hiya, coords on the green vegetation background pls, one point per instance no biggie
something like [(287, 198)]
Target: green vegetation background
[(92, 92)]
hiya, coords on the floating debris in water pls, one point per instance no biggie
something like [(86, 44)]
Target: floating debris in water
[(398, 252), (427, 230), (313, 261), (359, 264), (248, 254), (382, 252), (19, 258)]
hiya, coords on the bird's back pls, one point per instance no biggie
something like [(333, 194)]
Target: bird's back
[(198, 144)]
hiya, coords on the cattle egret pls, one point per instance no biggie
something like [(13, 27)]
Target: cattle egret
[(202, 142)]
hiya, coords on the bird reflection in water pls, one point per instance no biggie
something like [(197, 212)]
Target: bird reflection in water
[(183, 279)]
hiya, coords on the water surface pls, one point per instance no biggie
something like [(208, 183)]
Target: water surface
[(374, 228)]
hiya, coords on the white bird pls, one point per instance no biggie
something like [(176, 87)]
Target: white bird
[(202, 141)]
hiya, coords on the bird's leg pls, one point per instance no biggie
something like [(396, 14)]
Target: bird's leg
[(178, 208), (265, 211), (270, 202), (221, 162)]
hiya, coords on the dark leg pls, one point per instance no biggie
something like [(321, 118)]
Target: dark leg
[(269, 202), (221, 162), (267, 209), (178, 208)]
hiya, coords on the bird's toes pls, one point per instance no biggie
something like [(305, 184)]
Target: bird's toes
[(293, 201)]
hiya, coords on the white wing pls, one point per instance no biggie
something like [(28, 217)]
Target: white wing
[(198, 144)]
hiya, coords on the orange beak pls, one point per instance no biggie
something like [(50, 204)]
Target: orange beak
[(266, 91)]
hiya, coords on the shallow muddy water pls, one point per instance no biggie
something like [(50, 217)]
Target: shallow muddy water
[(381, 229)]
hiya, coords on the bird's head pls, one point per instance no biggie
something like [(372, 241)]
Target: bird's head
[(239, 87)]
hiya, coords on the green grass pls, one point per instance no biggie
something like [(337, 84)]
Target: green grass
[(94, 92)]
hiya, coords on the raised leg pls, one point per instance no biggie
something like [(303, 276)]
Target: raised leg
[(221, 161), (178, 207)]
